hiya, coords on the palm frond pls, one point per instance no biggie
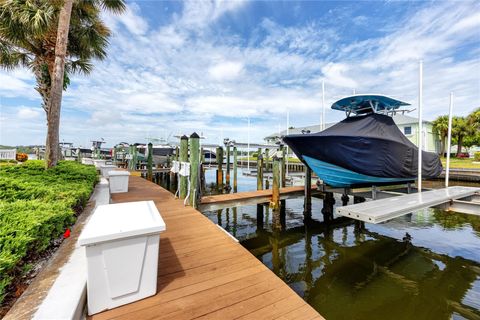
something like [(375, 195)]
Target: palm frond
[(78, 66)]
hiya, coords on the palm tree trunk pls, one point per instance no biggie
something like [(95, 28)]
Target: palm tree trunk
[(459, 145), (442, 148), (54, 104)]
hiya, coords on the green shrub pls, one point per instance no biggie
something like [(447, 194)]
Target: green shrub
[(476, 156), (36, 205)]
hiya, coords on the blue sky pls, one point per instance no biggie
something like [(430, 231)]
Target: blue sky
[(207, 66)]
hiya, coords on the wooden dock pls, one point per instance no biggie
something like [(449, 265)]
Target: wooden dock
[(222, 201), (204, 273)]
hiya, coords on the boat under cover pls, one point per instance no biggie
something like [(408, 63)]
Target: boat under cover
[(363, 150)]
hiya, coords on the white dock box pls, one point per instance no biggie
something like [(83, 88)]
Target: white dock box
[(118, 181), (99, 162), (88, 161), (105, 168), (122, 243)]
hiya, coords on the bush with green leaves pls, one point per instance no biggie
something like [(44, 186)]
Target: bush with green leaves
[(36, 206), (476, 156)]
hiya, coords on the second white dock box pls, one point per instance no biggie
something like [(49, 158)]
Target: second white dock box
[(104, 169), (122, 247), (118, 181)]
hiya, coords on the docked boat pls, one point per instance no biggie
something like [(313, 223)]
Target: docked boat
[(366, 148)]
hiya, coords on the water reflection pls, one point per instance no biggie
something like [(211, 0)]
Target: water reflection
[(425, 265)]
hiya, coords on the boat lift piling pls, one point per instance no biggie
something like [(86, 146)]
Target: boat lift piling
[(149, 161), (307, 202), (235, 165), (183, 158), (275, 203), (219, 168), (259, 178), (259, 169), (420, 125), (227, 176), (194, 169), (449, 140)]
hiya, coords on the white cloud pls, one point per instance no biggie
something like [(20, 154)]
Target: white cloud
[(198, 14), (25, 113), (335, 75), (131, 19), (228, 70)]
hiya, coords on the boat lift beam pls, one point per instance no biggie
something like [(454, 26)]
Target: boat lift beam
[(378, 211)]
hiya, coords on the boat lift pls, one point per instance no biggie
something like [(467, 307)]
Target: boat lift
[(458, 199)]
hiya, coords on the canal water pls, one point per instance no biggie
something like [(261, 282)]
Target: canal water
[(425, 265)]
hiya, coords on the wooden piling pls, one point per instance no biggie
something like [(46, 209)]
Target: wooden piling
[(283, 166), (275, 203), (327, 210), (150, 162), (265, 159), (194, 169), (183, 158), (235, 164), (259, 170), (202, 155), (135, 157), (227, 176), (307, 205), (345, 197), (219, 168)]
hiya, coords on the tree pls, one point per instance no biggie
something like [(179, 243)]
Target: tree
[(473, 119), (460, 129), (28, 38), (440, 127)]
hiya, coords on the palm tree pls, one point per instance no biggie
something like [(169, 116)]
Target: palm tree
[(28, 38), (460, 129), (440, 127), (473, 119)]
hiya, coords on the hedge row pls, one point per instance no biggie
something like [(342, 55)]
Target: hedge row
[(36, 206)]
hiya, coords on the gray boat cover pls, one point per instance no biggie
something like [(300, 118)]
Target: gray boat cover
[(370, 144)]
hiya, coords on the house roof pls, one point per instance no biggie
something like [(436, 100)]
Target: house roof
[(399, 119)]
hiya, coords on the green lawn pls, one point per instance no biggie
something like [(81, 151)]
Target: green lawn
[(461, 163), (36, 206)]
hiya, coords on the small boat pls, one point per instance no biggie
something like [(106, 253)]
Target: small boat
[(366, 148)]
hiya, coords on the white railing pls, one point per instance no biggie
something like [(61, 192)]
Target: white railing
[(8, 154)]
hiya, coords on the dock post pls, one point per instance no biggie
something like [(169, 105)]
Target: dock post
[(284, 171), (265, 159), (194, 166), (327, 210), (267, 183), (150, 162), (259, 178), (345, 197), (227, 176), (202, 155), (135, 158), (259, 170), (275, 203), (307, 205), (183, 158), (219, 168), (235, 169)]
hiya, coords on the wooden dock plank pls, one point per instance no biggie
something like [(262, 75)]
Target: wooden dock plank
[(203, 272)]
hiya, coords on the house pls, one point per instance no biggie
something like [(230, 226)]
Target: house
[(407, 125)]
